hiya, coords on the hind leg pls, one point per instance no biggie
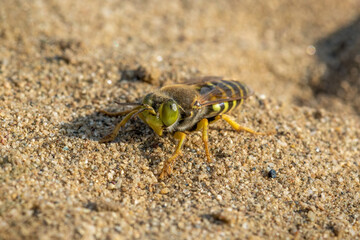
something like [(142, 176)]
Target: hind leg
[(238, 127)]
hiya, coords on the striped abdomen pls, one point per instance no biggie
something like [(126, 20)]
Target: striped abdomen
[(222, 96)]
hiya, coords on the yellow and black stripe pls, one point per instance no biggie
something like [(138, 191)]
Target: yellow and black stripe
[(225, 94)]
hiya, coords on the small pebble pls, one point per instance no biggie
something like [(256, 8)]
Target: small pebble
[(165, 191), (272, 173)]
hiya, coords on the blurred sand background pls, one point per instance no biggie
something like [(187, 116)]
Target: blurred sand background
[(61, 60)]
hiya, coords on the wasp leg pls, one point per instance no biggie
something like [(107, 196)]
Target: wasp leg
[(115, 114), (203, 124), (238, 127), (116, 130), (167, 169)]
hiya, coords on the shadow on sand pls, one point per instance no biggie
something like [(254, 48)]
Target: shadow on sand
[(97, 125)]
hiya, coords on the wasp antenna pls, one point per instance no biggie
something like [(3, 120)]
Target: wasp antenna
[(115, 114), (128, 104), (141, 110)]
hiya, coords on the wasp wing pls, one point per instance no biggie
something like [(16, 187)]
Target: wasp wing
[(201, 80), (213, 91)]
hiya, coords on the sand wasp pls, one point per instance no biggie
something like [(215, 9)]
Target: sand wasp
[(184, 108)]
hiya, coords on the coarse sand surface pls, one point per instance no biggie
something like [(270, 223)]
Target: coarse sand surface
[(62, 61)]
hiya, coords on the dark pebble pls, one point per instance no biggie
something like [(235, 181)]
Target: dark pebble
[(272, 173)]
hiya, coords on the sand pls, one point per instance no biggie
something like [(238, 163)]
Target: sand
[(60, 61)]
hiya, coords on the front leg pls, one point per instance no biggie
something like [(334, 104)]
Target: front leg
[(168, 166), (116, 130)]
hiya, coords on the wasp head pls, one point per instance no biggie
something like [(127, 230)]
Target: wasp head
[(161, 112)]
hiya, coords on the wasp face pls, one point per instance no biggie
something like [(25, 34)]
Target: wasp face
[(163, 113)]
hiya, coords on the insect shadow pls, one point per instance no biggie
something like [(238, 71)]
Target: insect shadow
[(96, 125)]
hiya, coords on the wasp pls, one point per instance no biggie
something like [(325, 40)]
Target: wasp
[(184, 108)]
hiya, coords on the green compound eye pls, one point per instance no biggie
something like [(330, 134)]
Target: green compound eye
[(169, 112)]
